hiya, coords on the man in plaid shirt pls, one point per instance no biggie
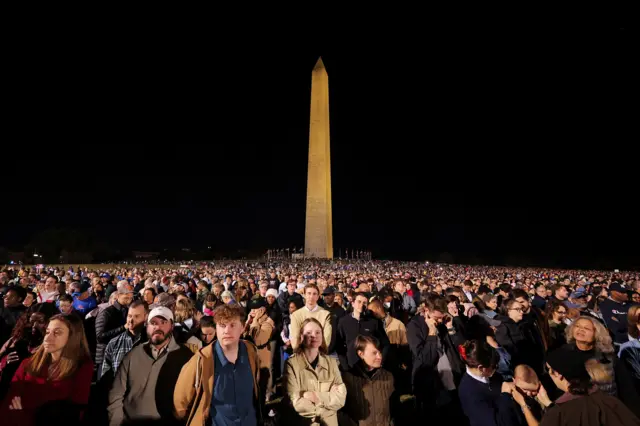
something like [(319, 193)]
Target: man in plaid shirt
[(120, 345)]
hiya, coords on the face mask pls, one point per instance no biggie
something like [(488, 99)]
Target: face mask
[(387, 305)]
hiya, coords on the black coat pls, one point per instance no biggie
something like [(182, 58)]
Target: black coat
[(349, 328), (284, 299), (425, 379), (337, 312), (523, 342), (109, 323)]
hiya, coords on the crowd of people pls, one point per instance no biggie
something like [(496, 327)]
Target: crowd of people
[(353, 342)]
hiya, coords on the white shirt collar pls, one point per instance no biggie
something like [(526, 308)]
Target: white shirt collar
[(314, 309), (478, 378)]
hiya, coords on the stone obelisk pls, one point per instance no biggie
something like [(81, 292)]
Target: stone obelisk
[(318, 236)]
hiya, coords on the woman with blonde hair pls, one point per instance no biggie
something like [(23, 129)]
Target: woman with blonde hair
[(313, 383), (588, 339), (58, 374), (186, 319)]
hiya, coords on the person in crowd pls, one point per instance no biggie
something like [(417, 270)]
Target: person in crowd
[(211, 302), (408, 303), (147, 368), (629, 352), (233, 364), (520, 338), (535, 317), (57, 375), (12, 310), (535, 396), (50, 292), (30, 299), (556, 314), (287, 295), (582, 404), (111, 321), (97, 291), (273, 312), (149, 295), (614, 312), (273, 280), (83, 301), (336, 311), (285, 350), (485, 398), (65, 305), (227, 298), (467, 289), (358, 323), (121, 345), (207, 330), (259, 329), (395, 329), (489, 308), (559, 293), (186, 324), (242, 296), (313, 384), (311, 309), (26, 338), (588, 339), (437, 367), (371, 397), (540, 297)]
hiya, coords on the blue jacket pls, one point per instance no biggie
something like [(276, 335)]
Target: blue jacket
[(84, 306)]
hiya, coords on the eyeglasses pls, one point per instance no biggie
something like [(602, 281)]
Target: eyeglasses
[(561, 312), (516, 309)]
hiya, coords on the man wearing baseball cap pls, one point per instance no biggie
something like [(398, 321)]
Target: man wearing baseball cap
[(143, 386), (614, 312)]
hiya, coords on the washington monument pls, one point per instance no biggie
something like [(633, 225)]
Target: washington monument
[(318, 235)]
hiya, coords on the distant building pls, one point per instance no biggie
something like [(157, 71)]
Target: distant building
[(146, 254)]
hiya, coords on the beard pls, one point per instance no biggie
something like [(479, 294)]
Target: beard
[(159, 337)]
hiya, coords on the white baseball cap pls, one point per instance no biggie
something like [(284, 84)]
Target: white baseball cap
[(161, 311)]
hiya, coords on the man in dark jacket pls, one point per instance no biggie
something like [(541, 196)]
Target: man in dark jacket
[(359, 323), (535, 318), (614, 312), (433, 339), (111, 321), (11, 310), (337, 312), (285, 296)]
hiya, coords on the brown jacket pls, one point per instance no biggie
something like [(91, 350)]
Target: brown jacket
[(260, 332), (194, 388), (596, 409), (368, 398), (396, 331), (325, 381)]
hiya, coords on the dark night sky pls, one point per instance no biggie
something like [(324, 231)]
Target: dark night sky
[(497, 145)]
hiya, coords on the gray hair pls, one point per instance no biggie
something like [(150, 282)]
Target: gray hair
[(228, 294)]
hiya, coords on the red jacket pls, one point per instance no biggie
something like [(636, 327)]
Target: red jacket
[(36, 391)]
